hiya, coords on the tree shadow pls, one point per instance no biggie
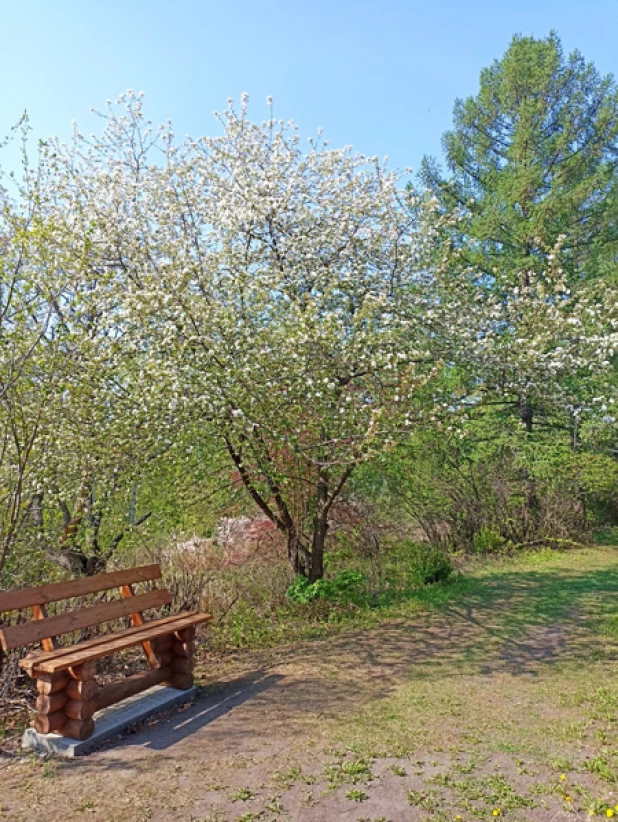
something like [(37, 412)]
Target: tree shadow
[(511, 622)]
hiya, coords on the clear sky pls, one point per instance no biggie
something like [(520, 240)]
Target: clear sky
[(381, 76)]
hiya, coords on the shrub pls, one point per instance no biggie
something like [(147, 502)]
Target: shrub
[(495, 488), (344, 587), (428, 563), (487, 541)]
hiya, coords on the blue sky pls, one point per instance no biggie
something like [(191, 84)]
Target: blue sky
[(381, 76)]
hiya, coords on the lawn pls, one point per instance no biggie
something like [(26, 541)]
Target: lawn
[(494, 697)]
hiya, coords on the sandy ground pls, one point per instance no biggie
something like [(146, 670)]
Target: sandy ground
[(425, 719)]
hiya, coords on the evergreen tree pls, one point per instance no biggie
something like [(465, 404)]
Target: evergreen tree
[(532, 157), (533, 162)]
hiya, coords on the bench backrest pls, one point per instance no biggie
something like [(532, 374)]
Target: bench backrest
[(44, 628)]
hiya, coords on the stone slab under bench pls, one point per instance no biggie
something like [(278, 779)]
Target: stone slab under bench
[(109, 722)]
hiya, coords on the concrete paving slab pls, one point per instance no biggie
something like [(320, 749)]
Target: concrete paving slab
[(109, 722)]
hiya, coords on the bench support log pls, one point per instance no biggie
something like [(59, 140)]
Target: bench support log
[(130, 686), (51, 683), (182, 663), (50, 703), (65, 702), (76, 697), (48, 723)]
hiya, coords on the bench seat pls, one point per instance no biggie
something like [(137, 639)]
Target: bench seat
[(70, 656)]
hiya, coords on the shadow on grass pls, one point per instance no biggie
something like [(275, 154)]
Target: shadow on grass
[(515, 600), (512, 621), (517, 621)]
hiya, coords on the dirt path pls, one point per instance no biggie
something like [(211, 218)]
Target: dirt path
[(463, 712)]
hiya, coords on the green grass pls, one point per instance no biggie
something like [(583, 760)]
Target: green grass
[(356, 795), (519, 690), (392, 590), (606, 536), (491, 699), (494, 692), (537, 587), (243, 795)]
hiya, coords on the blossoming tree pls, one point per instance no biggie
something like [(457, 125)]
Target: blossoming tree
[(300, 304), (274, 293), (27, 371), (72, 436)]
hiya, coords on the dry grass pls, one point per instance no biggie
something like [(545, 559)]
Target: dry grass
[(505, 698)]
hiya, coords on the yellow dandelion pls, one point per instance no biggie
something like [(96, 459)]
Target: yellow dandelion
[(496, 812), (563, 776), (610, 812), (567, 799)]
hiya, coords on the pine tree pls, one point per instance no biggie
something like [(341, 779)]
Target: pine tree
[(532, 164), (532, 157)]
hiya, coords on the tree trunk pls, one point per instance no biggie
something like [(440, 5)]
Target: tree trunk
[(526, 414), (297, 554), (320, 526), (316, 570), (36, 510), (305, 563)]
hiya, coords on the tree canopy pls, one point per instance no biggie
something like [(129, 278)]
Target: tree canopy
[(532, 158), (299, 309)]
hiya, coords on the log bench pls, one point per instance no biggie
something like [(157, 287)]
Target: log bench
[(68, 695)]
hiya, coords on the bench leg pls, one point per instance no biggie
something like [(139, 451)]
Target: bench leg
[(80, 706), (183, 649), (162, 648), (51, 702), (176, 651)]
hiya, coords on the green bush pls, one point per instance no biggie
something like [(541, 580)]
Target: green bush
[(428, 563), (344, 587), (487, 541), (497, 487)]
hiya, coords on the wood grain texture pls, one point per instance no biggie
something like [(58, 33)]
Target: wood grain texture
[(81, 690), (48, 723), (27, 597), (84, 672), (112, 645), (184, 649), (51, 683), (181, 681), (182, 666), (40, 656), (77, 709), (163, 643), (186, 634), (17, 635), (77, 729), (50, 703), (137, 619), (135, 684), (40, 612), (164, 659)]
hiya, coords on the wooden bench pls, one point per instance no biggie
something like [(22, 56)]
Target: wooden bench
[(66, 675)]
